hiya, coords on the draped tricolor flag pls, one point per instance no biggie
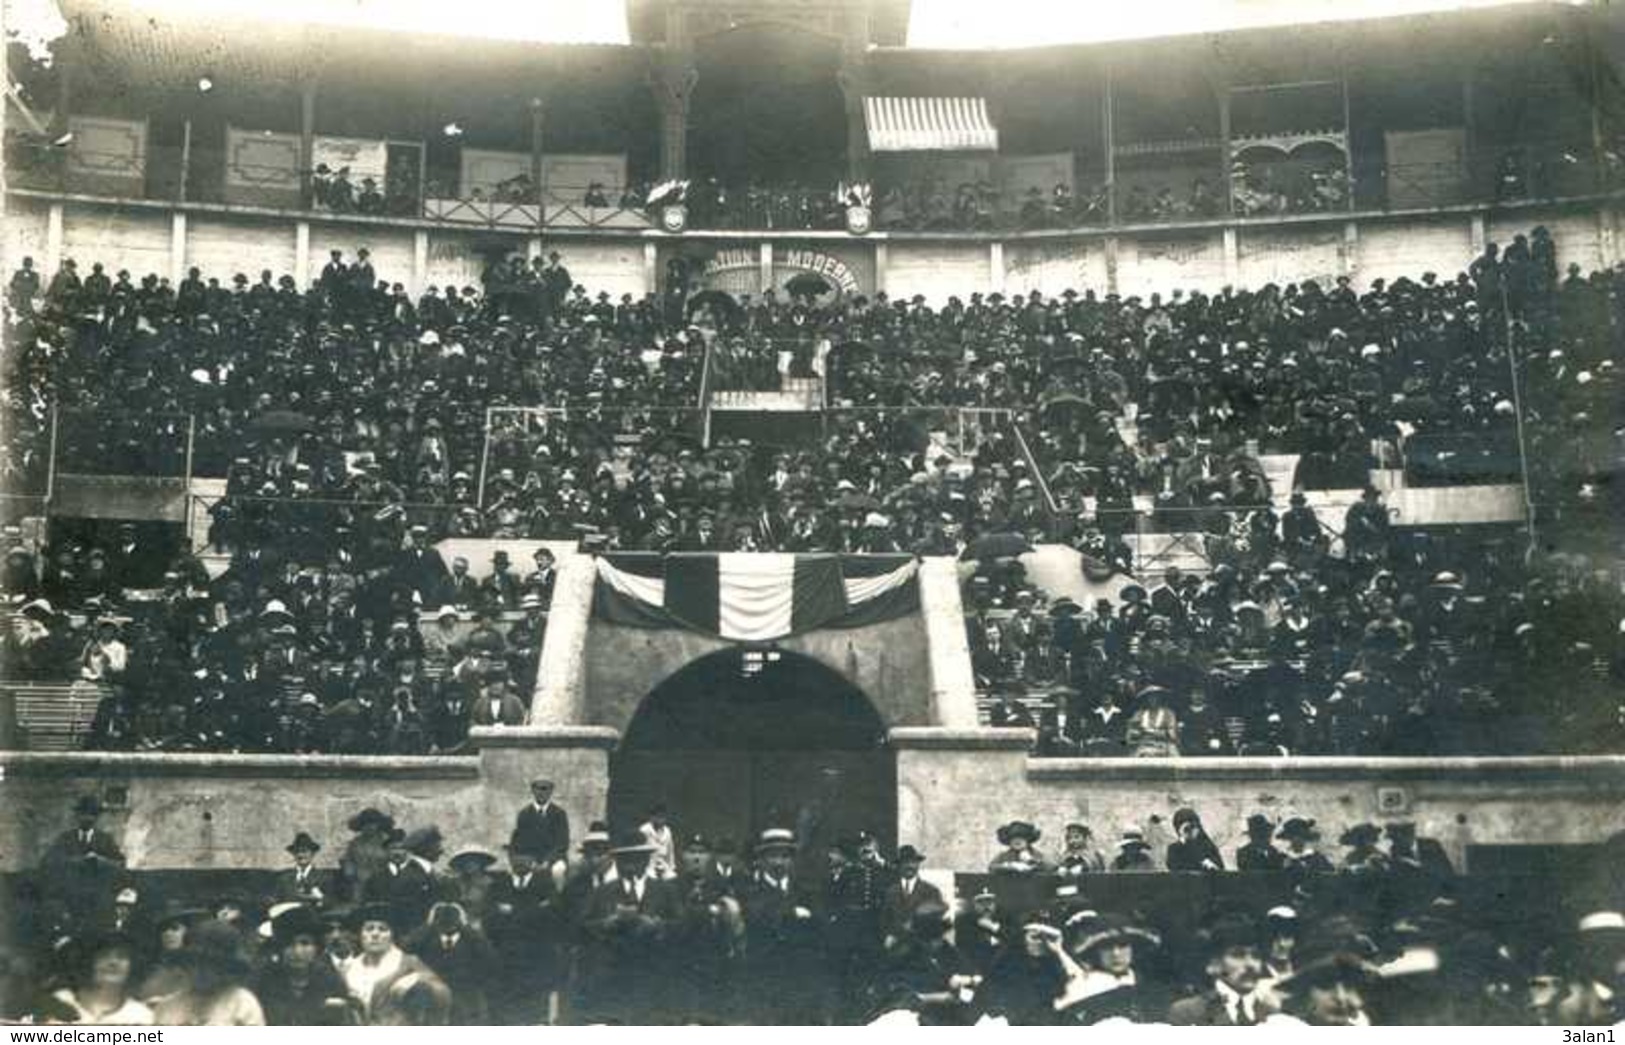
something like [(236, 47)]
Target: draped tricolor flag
[(752, 597)]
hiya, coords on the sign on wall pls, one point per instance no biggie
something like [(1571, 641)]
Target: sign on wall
[(568, 177), (262, 160), (364, 157), (103, 148), (488, 173)]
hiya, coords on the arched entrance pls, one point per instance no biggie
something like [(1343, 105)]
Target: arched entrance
[(741, 740)]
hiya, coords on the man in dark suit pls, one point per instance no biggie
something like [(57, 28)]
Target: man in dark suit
[(525, 927), (82, 863), (542, 828), (419, 569), (629, 923), (303, 883), (906, 895), (782, 936), (462, 957), (496, 705), (1235, 965), (1259, 854), (406, 883)]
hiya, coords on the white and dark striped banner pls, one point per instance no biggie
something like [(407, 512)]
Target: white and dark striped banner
[(754, 597)]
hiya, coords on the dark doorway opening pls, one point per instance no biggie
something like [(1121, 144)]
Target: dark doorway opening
[(745, 739)]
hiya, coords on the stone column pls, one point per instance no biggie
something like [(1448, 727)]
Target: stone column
[(177, 247), (937, 767), (672, 76), (575, 758), (307, 139), (420, 260), (301, 254), (953, 682), (855, 84), (561, 676), (53, 244)]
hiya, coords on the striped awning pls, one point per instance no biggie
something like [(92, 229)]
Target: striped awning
[(941, 124)]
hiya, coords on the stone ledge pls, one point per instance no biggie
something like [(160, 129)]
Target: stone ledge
[(535, 737), (1600, 768), (942, 738), (119, 764)]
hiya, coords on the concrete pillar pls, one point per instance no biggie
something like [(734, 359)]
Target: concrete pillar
[(882, 259), (953, 682), (935, 766), (672, 78), (533, 248), (307, 138), (1232, 255), (53, 244), (420, 261), (1348, 256), (575, 758), (854, 81), (765, 266), (1607, 236), (1477, 233), (561, 676), (995, 267), (301, 254), (651, 268), (1111, 264), (177, 247)]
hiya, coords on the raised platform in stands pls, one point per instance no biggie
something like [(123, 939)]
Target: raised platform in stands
[(796, 394)]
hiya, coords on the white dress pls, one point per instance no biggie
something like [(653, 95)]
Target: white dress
[(131, 1014)]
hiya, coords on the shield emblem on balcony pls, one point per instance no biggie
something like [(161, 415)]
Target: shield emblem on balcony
[(674, 218), (858, 220)]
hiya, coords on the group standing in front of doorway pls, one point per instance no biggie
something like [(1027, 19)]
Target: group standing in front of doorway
[(651, 926)]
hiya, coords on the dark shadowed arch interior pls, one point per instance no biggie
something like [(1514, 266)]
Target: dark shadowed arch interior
[(767, 108), (741, 740)]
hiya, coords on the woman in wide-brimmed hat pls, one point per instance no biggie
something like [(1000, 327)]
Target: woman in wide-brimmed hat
[(216, 992), (1029, 978), (366, 854), (394, 988), (1020, 855), (1109, 948), (101, 992)]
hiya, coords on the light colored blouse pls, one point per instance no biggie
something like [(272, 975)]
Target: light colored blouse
[(130, 1014)]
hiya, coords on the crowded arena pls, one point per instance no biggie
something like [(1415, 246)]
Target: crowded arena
[(965, 556)]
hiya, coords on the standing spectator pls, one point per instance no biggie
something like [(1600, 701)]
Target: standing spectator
[(542, 828)]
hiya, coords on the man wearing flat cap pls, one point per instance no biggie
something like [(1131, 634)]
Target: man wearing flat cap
[(542, 828)]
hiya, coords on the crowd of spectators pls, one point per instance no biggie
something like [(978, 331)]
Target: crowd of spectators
[(350, 424), (657, 925)]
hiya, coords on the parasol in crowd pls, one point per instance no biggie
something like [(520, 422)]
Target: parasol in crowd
[(997, 546), (808, 285), (1063, 404), (723, 308)]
